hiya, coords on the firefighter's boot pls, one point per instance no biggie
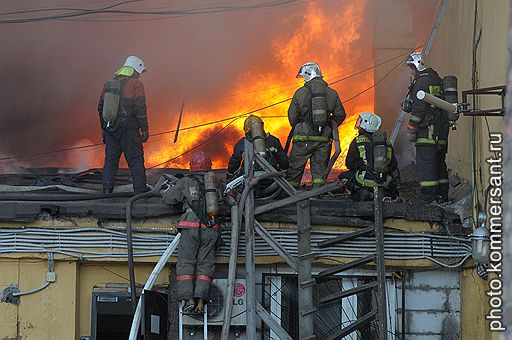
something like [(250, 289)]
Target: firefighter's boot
[(189, 307)]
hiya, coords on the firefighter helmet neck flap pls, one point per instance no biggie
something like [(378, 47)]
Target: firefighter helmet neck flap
[(200, 161), (136, 63), (369, 122), (416, 62), (309, 71)]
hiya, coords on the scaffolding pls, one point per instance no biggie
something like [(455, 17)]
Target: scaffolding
[(247, 212)]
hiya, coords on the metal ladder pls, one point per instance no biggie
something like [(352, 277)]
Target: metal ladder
[(378, 286), (205, 322)]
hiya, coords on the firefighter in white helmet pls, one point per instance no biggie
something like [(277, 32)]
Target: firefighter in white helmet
[(124, 123), (361, 176), (312, 108)]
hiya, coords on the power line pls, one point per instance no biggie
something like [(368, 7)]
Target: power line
[(196, 146), (79, 12), (240, 116), (47, 153)]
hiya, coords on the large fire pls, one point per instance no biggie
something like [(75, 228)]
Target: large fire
[(323, 37), (334, 34)]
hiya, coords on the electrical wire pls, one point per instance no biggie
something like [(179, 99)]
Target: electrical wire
[(47, 153), (82, 147), (79, 12), (280, 102)]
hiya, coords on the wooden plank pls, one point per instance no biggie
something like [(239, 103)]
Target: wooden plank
[(346, 293), (228, 303), (250, 268), (306, 320), (280, 250), (367, 318), (296, 198), (349, 265), (272, 323), (347, 237)]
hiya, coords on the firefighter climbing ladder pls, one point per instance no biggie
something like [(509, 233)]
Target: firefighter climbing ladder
[(302, 264)]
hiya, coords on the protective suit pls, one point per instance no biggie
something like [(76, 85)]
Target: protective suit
[(129, 130), (309, 141), (361, 177), (199, 234), (428, 129)]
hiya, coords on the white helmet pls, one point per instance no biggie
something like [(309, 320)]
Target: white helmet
[(136, 63), (416, 61), (369, 122), (309, 71)]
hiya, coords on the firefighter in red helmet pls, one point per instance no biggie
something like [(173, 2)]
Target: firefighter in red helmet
[(199, 194)]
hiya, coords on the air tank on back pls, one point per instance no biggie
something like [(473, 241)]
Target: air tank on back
[(257, 138), (380, 152), (319, 103), (212, 198), (111, 99), (451, 95)]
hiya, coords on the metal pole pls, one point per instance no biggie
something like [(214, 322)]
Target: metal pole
[(381, 270), (305, 288), (134, 330), (249, 243), (235, 234), (507, 198)]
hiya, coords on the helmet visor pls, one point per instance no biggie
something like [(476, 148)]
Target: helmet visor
[(358, 123), (299, 73)]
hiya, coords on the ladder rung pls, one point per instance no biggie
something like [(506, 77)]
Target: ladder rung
[(311, 311), (308, 256), (346, 266), (354, 326), (340, 295), (347, 237), (308, 283), (313, 337)]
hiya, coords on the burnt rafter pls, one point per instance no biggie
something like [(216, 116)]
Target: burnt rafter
[(323, 212)]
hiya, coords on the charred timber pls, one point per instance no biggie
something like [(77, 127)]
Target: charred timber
[(323, 212)]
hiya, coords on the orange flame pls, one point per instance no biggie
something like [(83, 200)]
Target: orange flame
[(326, 38)]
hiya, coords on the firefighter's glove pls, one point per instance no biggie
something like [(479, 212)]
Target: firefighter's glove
[(406, 105), (411, 136), (212, 222), (145, 136)]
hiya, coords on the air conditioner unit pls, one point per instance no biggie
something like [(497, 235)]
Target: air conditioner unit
[(216, 305)]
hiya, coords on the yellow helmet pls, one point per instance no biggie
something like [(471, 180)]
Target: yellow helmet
[(251, 120)]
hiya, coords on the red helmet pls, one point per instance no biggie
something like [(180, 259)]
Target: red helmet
[(200, 161)]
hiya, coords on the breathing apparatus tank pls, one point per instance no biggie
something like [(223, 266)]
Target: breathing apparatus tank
[(319, 104), (211, 195), (380, 152), (451, 95), (257, 137), (111, 100)]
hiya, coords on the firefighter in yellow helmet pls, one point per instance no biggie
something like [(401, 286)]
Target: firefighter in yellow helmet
[(275, 154), (312, 108)]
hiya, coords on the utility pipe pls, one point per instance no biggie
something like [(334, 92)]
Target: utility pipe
[(129, 205), (149, 284)]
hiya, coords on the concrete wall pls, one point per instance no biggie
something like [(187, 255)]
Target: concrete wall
[(432, 305), (451, 54)]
